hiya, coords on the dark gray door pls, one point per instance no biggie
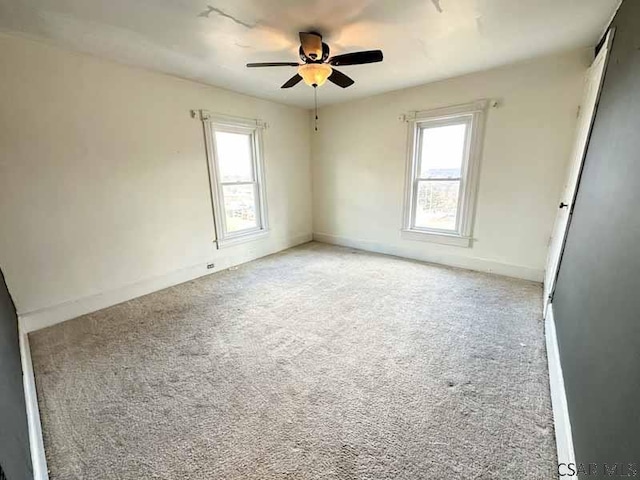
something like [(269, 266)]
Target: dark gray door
[(15, 457), (597, 299)]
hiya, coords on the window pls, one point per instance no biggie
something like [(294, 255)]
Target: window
[(442, 173), (237, 178)]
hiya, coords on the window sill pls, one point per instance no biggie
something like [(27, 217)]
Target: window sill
[(238, 239), (433, 237)]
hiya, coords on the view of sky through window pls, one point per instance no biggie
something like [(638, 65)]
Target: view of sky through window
[(442, 151), (234, 157)]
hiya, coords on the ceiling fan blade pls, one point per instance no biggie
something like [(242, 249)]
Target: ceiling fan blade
[(311, 45), (357, 58), (340, 79), (292, 81), (272, 64)]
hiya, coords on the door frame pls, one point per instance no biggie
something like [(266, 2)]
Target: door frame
[(602, 56)]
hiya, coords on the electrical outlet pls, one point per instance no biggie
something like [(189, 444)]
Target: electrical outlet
[(210, 266)]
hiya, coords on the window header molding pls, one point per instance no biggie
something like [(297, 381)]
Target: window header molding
[(479, 106), (228, 120)]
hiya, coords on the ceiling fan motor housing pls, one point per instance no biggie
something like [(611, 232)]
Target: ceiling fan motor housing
[(312, 58)]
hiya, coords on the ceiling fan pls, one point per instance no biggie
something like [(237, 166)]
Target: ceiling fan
[(318, 66)]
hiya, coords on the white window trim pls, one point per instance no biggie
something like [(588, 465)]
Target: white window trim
[(226, 123), (475, 113)]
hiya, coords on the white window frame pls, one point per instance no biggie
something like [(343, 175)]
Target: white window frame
[(254, 128), (473, 114)]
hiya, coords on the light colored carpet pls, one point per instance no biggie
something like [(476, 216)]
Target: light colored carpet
[(317, 363)]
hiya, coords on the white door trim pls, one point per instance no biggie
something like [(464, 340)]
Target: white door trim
[(36, 443), (561, 420)]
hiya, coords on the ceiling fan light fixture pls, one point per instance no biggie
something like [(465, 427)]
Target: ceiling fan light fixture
[(315, 74)]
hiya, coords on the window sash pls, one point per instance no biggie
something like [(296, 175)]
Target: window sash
[(227, 234), (438, 179), (252, 128), (248, 133), (420, 126), (256, 205), (416, 227)]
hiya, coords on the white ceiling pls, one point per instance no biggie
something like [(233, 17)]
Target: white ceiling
[(211, 40)]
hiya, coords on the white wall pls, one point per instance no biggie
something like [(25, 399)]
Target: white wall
[(104, 191), (359, 158)]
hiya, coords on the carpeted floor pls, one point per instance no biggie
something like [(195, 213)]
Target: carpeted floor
[(317, 363)]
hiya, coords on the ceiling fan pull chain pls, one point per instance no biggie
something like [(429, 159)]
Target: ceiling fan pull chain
[(315, 98)]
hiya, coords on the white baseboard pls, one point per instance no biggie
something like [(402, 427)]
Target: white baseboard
[(469, 263), (561, 421), (232, 256), (48, 316), (36, 444)]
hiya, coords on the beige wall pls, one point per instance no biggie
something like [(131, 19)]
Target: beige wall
[(104, 187), (103, 175), (359, 158)]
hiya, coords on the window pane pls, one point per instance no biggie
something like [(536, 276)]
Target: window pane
[(437, 204), (234, 157), (442, 151), (239, 207)]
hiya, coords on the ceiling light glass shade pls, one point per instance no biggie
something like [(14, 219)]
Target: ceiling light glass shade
[(315, 74)]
